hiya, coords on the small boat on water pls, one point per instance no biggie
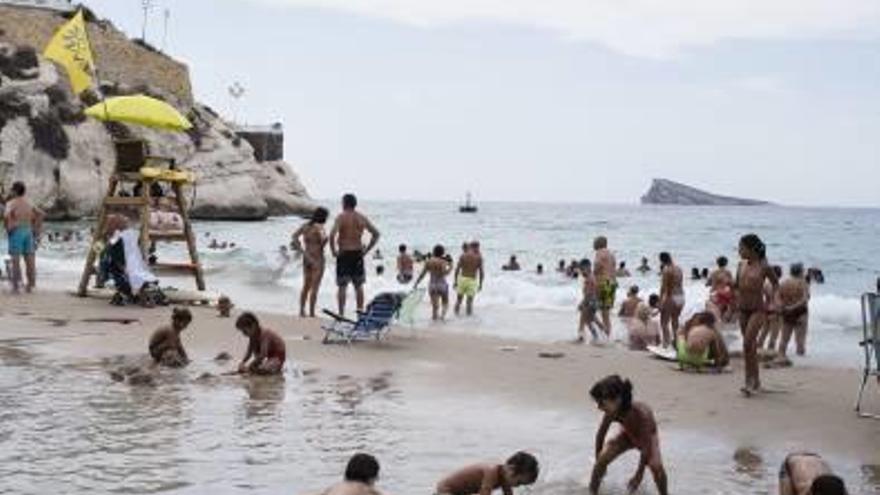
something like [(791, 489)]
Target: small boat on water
[(468, 206)]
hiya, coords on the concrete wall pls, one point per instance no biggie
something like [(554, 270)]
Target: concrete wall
[(118, 59)]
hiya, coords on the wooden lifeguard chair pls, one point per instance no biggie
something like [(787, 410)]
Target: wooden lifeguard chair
[(140, 170)]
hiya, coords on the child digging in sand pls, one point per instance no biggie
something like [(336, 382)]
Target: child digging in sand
[(265, 347), (613, 395), (165, 346), (438, 288), (483, 479)]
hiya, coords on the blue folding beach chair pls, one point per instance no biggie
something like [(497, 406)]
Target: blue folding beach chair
[(871, 344), (373, 323)]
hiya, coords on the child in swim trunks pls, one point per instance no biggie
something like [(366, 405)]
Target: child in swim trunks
[(165, 345), (266, 347), (23, 223), (361, 474), (589, 305), (484, 478), (438, 288), (613, 395)]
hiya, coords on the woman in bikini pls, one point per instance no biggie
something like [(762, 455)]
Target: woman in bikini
[(438, 288), (671, 297), (751, 296), (310, 240)]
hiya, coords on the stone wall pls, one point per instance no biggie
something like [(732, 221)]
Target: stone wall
[(118, 59)]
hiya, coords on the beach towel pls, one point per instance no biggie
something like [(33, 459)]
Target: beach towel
[(135, 267)]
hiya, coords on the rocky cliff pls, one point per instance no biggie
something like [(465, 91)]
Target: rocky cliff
[(667, 192), (66, 158)]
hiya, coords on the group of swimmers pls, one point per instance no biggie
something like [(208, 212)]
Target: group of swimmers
[(800, 473)]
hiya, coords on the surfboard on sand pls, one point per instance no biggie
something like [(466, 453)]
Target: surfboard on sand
[(664, 353)]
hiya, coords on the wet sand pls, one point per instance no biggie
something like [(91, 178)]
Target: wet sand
[(810, 408)]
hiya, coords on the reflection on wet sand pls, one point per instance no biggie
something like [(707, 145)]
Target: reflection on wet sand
[(66, 426)]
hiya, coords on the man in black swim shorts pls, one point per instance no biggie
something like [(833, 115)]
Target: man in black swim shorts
[(346, 244)]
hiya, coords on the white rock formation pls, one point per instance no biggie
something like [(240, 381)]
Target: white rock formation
[(231, 183)]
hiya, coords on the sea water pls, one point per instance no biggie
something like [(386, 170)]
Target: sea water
[(842, 242)]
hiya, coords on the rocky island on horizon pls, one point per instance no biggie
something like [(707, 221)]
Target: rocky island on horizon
[(667, 192)]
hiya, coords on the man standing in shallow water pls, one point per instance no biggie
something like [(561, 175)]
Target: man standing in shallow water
[(605, 271), (346, 244), (468, 277)]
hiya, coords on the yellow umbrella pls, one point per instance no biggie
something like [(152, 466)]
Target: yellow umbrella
[(141, 110)]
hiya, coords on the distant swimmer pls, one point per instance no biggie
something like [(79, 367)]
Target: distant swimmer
[(573, 270), (695, 274), (794, 302), (721, 290), (644, 267), (539, 269), (622, 272), (405, 265), (815, 274), (700, 345), (266, 350), (361, 475), (377, 255), (638, 431), (521, 469), (589, 304), (671, 297), (751, 275), (631, 303), (311, 240), (438, 268), (165, 345), (346, 244), (605, 270), (512, 265), (561, 267), (808, 474), (704, 273), (469, 275)]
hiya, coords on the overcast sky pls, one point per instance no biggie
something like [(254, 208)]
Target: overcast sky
[(547, 100)]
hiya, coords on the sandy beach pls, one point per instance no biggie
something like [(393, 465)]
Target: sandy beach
[(810, 407)]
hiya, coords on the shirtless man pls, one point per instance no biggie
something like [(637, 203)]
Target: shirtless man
[(699, 343), (310, 240), (753, 271), (24, 224), (794, 301), (721, 289), (438, 288), (671, 297), (484, 478), (605, 270), (808, 474), (165, 345), (360, 477), (405, 265), (266, 347), (346, 244), (629, 306), (468, 278)]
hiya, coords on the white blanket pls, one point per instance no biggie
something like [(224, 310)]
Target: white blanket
[(135, 266)]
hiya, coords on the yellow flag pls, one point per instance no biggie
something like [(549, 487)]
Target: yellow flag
[(70, 48)]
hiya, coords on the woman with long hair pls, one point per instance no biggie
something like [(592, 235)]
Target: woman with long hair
[(310, 240), (752, 301)]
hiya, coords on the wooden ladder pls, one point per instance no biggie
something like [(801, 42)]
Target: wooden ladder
[(142, 203)]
